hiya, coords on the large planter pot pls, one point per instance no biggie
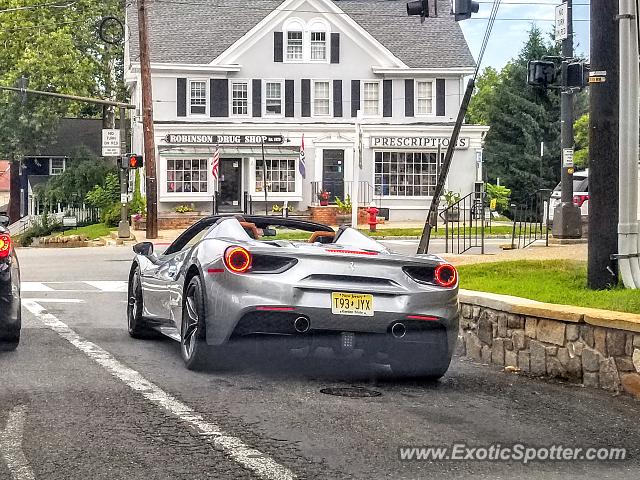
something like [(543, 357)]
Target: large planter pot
[(343, 218)]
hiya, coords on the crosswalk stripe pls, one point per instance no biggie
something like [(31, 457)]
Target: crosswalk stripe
[(106, 286), (34, 287)]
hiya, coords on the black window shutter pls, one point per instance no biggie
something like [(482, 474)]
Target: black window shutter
[(256, 97), (355, 97), (408, 98), (387, 98), (181, 97), (335, 48), (305, 91), (219, 97), (337, 98), (277, 46), (440, 97), (289, 102)]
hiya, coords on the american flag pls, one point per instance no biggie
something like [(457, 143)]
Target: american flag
[(215, 162)]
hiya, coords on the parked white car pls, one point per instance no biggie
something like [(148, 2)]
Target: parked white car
[(580, 194)]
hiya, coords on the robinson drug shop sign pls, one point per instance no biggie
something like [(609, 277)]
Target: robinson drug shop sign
[(197, 139)]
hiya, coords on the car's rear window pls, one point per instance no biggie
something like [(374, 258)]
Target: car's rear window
[(580, 184)]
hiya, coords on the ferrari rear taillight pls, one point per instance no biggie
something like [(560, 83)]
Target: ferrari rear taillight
[(5, 245), (580, 199), (446, 275), (237, 259)]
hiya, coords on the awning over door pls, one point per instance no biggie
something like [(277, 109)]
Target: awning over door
[(231, 151)]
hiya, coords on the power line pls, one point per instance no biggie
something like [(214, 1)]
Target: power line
[(42, 5), (350, 14)]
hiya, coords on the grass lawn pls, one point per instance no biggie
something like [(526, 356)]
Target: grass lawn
[(92, 232), (416, 232), (551, 281), (392, 232)]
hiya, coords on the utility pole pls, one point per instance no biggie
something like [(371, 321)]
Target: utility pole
[(567, 218), (147, 124), (603, 146), (124, 230)]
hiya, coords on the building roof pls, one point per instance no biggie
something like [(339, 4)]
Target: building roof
[(5, 176), (73, 133), (197, 32)]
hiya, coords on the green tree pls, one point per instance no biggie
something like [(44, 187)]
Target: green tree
[(83, 173), (483, 97), (581, 134), (520, 118), (59, 50)]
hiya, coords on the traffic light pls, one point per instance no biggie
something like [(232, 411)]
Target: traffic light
[(135, 161), (131, 161), (462, 9), (541, 73), (419, 7), (577, 75)]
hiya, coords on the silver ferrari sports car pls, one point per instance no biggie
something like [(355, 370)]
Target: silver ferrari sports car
[(232, 278)]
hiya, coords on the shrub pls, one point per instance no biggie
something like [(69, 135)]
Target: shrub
[(344, 207), (111, 215), (501, 194)]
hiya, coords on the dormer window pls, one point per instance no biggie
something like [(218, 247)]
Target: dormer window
[(318, 46), (294, 46)]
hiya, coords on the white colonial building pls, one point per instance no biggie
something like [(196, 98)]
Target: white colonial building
[(373, 92)]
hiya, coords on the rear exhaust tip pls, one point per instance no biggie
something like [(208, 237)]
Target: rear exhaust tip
[(398, 330), (301, 324)]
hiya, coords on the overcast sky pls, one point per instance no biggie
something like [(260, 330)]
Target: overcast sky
[(508, 36)]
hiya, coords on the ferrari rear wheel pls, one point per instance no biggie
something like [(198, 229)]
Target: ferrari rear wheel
[(136, 323), (193, 346), (9, 342)]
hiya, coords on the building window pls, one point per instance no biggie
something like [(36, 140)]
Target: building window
[(273, 98), (321, 103), (240, 98), (294, 46), (371, 98), (318, 46), (281, 176), (406, 174), (187, 176), (56, 166), (198, 97), (424, 98)]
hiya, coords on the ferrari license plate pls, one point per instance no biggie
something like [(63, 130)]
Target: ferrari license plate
[(352, 304)]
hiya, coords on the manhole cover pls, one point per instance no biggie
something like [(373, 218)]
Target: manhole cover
[(350, 392)]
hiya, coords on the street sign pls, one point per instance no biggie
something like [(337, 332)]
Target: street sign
[(562, 16), (567, 158), (110, 142)]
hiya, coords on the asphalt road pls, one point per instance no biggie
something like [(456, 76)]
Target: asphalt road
[(80, 399)]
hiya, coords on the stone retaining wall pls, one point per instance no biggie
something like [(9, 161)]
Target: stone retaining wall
[(592, 347)]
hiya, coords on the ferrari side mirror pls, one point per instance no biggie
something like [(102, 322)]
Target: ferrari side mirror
[(4, 220), (269, 232), (145, 249)]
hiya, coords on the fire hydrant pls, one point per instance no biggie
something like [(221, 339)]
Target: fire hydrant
[(373, 217)]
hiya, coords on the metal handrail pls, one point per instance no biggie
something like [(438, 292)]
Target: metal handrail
[(467, 219), (531, 220)]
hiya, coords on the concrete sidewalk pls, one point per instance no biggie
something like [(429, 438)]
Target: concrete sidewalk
[(555, 252)]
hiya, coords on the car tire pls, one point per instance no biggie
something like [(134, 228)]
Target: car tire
[(413, 361), (194, 350), (9, 344), (136, 324)]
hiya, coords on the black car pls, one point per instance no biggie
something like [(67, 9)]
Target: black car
[(10, 320)]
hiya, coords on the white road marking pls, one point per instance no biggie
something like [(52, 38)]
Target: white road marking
[(54, 300), (261, 464), (11, 445), (103, 286), (83, 287), (34, 287)]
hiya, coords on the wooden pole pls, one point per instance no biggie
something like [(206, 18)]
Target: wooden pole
[(147, 125)]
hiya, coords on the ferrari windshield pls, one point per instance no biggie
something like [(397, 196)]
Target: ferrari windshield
[(351, 237)]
